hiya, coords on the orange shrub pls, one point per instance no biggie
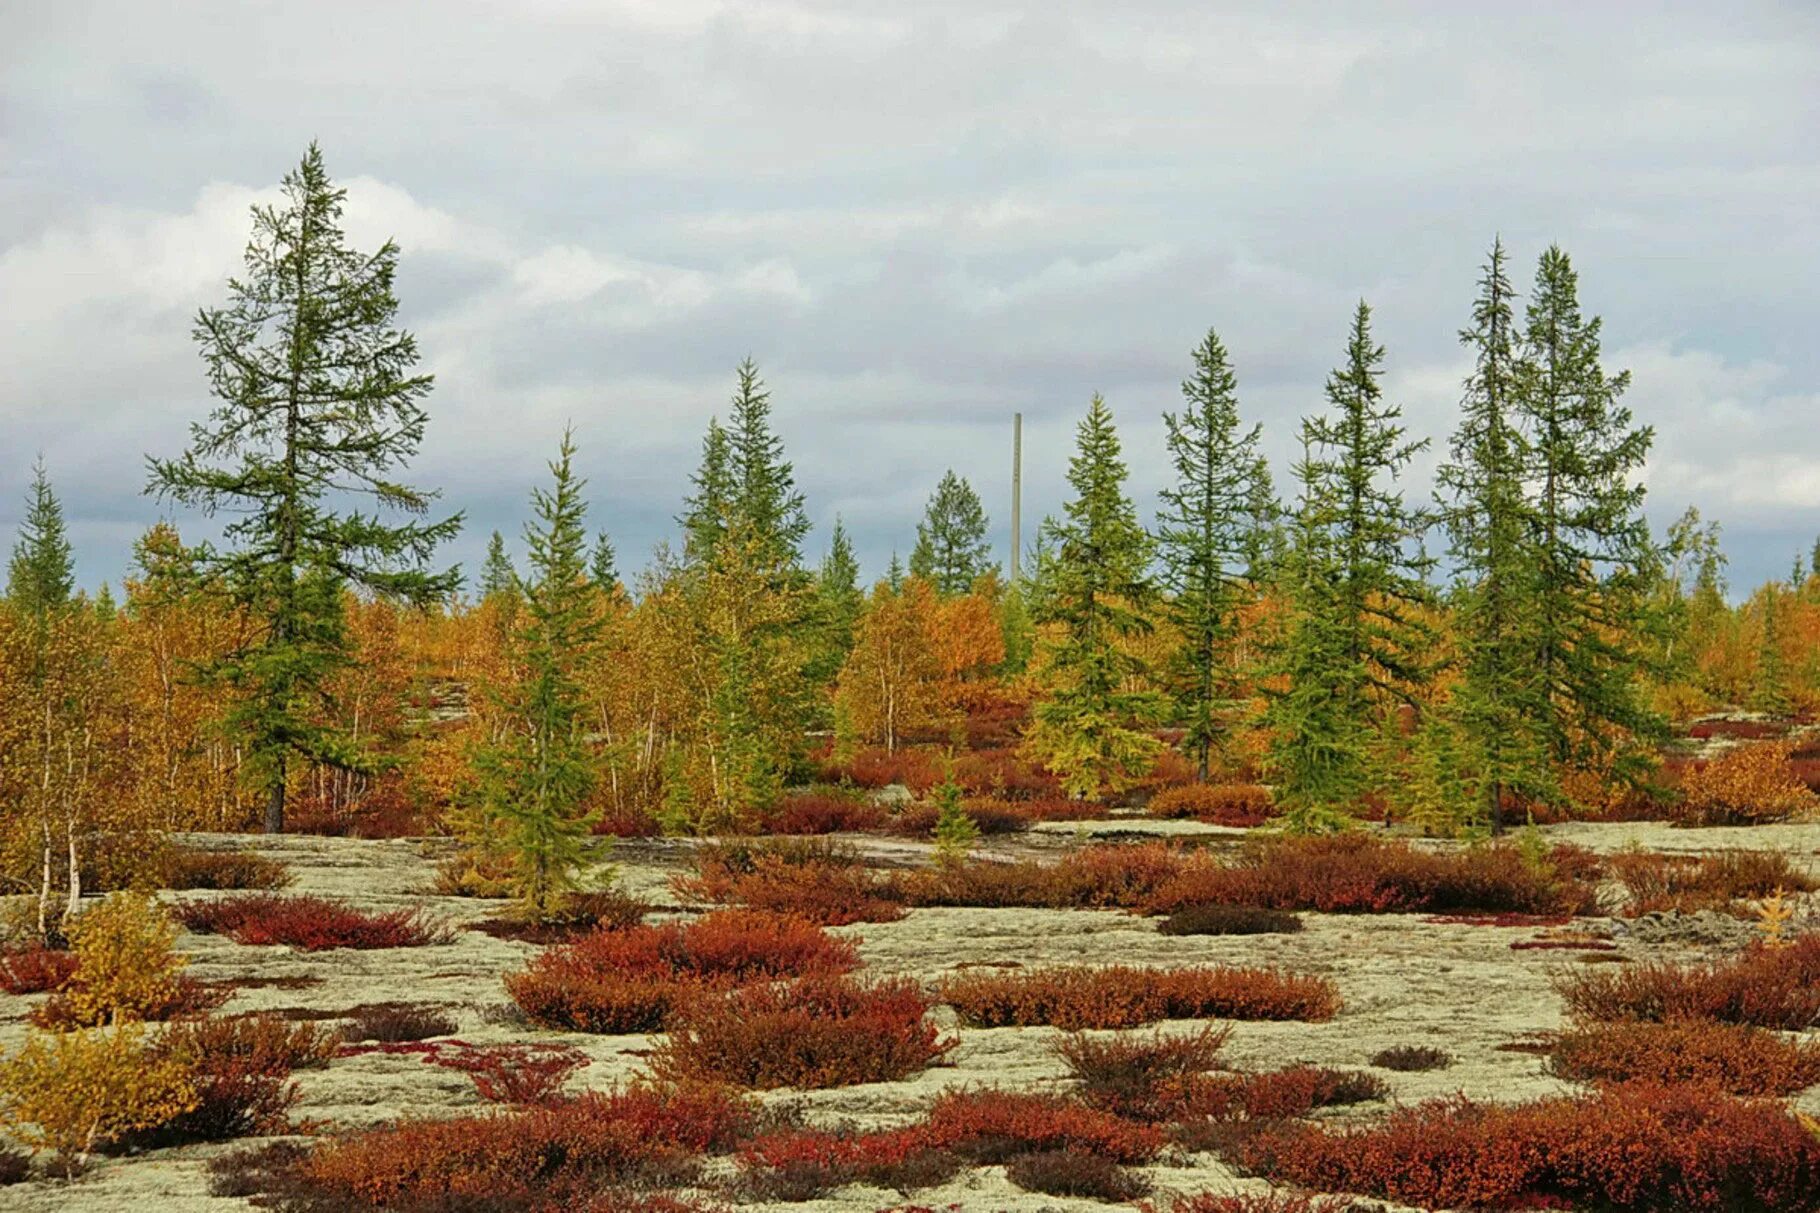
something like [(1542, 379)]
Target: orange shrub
[(1092, 877), (989, 1126), (1124, 997), (918, 770), (630, 980), (822, 882), (1765, 987), (1738, 1060), (1655, 882), (815, 1032), (814, 812), (1220, 804), (1356, 873), (1632, 1147), (1746, 785)]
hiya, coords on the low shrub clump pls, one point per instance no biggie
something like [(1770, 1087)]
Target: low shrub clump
[(35, 969), (1060, 1173), (1125, 997), (817, 880), (1737, 1060), (1748, 784), (1359, 874), (126, 968), (392, 1022), (630, 980), (1768, 987), (821, 812), (1631, 1147), (239, 1072), (579, 1153), (1140, 1078), (1269, 1202), (579, 914), (78, 1091), (1412, 1059), (813, 1032), (1222, 804), (312, 924), (1654, 882), (1095, 877), (190, 868), (506, 1073), (1230, 920)]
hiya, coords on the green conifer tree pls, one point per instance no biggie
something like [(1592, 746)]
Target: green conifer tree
[(536, 776), (954, 831), (603, 565), (1489, 519), (952, 551), (1091, 726), (838, 605), (497, 576), (1205, 536), (764, 495), (1361, 636), (41, 576), (707, 510), (318, 399), (1594, 556)]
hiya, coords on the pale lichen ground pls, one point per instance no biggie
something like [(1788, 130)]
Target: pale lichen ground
[(1403, 981)]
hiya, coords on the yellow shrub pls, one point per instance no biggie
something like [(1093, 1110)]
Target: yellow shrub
[(72, 1091), (1750, 783), (126, 966)]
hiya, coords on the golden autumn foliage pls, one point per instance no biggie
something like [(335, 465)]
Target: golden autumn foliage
[(70, 1092), (126, 965), (1745, 785)]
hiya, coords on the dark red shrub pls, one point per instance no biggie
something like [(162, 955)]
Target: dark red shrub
[(1766, 986), (1060, 1173), (1005, 775), (991, 1126), (1737, 1060), (184, 868), (1092, 877), (242, 1068), (814, 1032), (1411, 1059), (1357, 873), (394, 1022), (630, 980), (1125, 997), (1140, 1078), (1632, 1147), (1230, 920), (517, 1073), (15, 1166), (581, 914), (1654, 882), (812, 812), (35, 970), (813, 879), (1269, 1202), (918, 770), (313, 924)]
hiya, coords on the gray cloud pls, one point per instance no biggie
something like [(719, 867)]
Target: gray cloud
[(919, 218)]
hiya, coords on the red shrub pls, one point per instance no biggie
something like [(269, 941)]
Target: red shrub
[(1092, 877), (1124, 997), (1271, 1202), (554, 1155), (35, 970), (918, 770), (1634, 1147), (802, 1164), (627, 822), (821, 813), (1499, 920), (392, 1022), (1220, 804), (1738, 1060), (580, 914), (1357, 873), (1654, 882), (241, 1068), (185, 868), (630, 980), (1004, 774), (1743, 730), (989, 1126), (1140, 1078), (822, 882), (816, 1032), (1062, 1173), (518, 1073), (1765, 986), (313, 924)]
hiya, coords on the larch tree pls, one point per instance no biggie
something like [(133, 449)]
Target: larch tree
[(952, 551), (536, 776), (1363, 596), (497, 576), (892, 680), (1486, 510), (1204, 535), (1593, 551), (1092, 724), (707, 509), (318, 399), (838, 604), (41, 576)]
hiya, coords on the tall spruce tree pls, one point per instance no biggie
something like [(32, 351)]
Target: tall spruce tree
[(1594, 556), (1204, 533), (838, 605), (603, 566), (764, 497), (1489, 520), (952, 550), (497, 576), (707, 510), (535, 777), (1265, 542), (41, 576), (1362, 577), (1091, 726), (318, 399)]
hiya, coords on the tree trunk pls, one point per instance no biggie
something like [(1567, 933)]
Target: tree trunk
[(274, 807)]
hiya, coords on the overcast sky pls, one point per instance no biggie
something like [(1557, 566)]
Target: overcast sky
[(919, 217)]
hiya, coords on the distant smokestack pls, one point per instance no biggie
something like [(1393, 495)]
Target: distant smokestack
[(1017, 495)]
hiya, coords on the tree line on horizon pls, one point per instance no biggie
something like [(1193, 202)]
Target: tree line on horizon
[(1306, 639)]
